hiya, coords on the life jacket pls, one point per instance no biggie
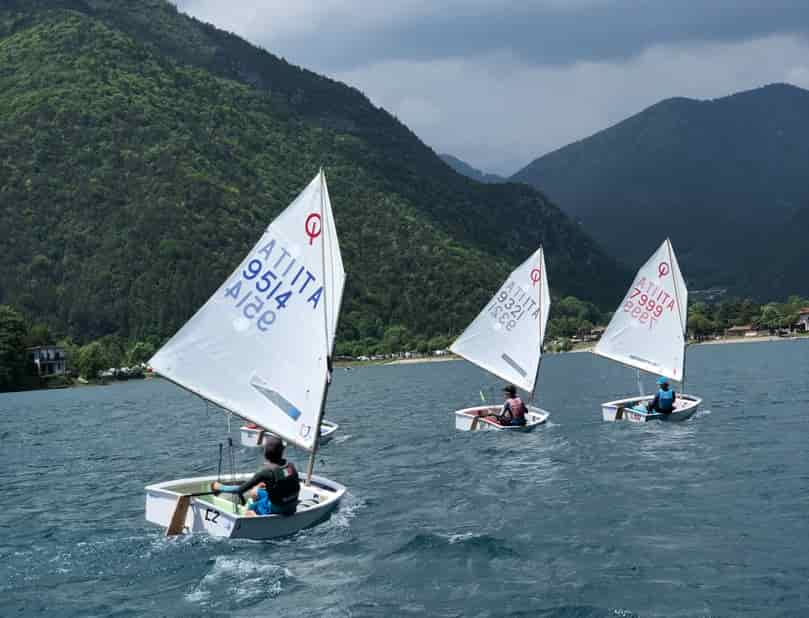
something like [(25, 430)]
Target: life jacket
[(284, 492), (517, 408), (665, 400)]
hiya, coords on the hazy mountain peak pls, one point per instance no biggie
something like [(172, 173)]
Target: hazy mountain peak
[(470, 172)]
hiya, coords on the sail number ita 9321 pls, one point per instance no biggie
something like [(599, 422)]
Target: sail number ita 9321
[(511, 304)]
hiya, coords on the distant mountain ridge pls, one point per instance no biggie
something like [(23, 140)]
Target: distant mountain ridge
[(723, 178), (470, 172), (144, 151)]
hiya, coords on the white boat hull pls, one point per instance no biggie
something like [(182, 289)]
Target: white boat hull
[(633, 409), (215, 514), (471, 419), (250, 435)]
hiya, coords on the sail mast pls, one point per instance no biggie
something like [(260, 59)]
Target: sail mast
[(328, 291), (541, 334), (683, 322)]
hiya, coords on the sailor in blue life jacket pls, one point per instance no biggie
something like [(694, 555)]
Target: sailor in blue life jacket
[(664, 398), (513, 412), (276, 484)]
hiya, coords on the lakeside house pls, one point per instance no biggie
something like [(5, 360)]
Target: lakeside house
[(49, 360), (746, 330), (803, 320), (595, 333)]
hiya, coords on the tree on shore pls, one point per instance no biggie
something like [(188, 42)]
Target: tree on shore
[(12, 349), (92, 359)]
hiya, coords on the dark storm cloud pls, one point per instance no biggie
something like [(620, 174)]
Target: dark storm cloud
[(499, 82), (549, 32)]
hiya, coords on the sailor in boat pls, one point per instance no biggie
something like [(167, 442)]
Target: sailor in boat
[(663, 401), (277, 483), (513, 412)]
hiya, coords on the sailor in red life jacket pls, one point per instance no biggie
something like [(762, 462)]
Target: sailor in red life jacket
[(513, 412)]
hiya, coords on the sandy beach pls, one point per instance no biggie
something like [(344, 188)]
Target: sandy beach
[(422, 359), (589, 348)]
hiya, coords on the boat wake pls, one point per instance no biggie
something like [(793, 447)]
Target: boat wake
[(331, 532), (455, 545), (238, 581), (349, 507)]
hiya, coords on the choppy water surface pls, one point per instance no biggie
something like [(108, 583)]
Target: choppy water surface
[(580, 518)]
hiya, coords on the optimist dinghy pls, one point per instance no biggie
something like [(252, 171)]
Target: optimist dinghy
[(647, 332), (219, 516), (506, 340), (260, 348), (253, 435)]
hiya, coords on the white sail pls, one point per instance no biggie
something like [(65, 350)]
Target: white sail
[(258, 347), (506, 337), (648, 329)]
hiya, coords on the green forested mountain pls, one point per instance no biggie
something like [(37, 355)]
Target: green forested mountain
[(462, 167), (143, 152), (726, 179)]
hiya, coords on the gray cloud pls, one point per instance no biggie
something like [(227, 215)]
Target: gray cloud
[(339, 35), (499, 82), (499, 113)]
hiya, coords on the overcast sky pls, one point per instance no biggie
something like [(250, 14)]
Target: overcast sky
[(500, 82)]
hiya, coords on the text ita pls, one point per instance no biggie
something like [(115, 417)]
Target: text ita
[(269, 282)]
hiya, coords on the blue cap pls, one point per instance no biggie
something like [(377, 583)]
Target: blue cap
[(662, 380)]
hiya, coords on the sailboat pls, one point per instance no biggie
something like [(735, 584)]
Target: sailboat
[(253, 435), (505, 339), (647, 332), (260, 348)]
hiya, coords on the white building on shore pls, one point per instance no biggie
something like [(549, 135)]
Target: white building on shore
[(48, 359)]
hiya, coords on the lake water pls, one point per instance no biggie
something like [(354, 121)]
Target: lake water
[(580, 518)]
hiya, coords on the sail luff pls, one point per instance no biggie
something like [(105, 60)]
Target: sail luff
[(675, 271), (683, 320), (544, 312), (329, 338)]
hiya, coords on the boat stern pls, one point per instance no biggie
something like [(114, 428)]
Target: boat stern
[(633, 409), (221, 517), (467, 419), (250, 435)]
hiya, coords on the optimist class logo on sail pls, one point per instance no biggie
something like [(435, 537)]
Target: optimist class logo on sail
[(313, 226), (273, 278)]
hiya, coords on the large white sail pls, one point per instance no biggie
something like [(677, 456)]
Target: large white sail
[(506, 337), (648, 329), (258, 347)]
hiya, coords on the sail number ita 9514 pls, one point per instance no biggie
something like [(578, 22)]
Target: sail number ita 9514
[(263, 288)]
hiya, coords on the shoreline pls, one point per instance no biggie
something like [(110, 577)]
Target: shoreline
[(348, 365), (422, 359), (576, 350)]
